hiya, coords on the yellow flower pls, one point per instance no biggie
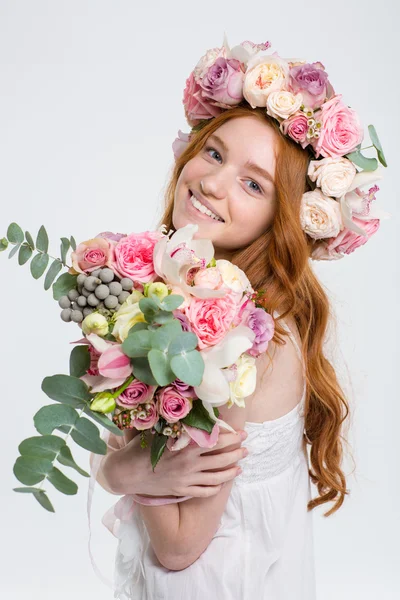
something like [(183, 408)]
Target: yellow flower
[(127, 316), (245, 382), (158, 289)]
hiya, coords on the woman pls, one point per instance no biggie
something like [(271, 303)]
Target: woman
[(246, 183)]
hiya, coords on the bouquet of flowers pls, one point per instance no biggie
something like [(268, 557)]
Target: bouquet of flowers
[(169, 334)]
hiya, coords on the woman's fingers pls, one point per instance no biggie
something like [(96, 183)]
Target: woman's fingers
[(211, 483), (224, 441), (222, 460)]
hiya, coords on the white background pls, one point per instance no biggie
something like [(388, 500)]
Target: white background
[(90, 103)]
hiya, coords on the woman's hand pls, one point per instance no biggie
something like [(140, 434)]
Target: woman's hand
[(192, 471)]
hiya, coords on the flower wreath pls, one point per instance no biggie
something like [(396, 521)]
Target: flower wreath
[(301, 98)]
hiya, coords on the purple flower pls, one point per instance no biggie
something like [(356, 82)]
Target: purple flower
[(311, 80), (178, 314), (183, 388), (223, 82), (263, 326), (111, 236)]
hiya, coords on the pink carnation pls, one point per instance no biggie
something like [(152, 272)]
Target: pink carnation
[(92, 254), (134, 256), (341, 130), (211, 318), (172, 405)]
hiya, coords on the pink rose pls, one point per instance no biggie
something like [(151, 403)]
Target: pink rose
[(211, 318), (209, 278), (146, 418), (296, 127), (347, 241), (223, 82), (134, 256), (180, 143), (311, 80), (341, 130), (196, 106), (115, 237), (92, 254), (171, 405), (136, 393)]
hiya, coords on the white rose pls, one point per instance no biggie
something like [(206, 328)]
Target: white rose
[(320, 216), (333, 175), (265, 74), (127, 316), (232, 276), (245, 382), (207, 61), (282, 104)]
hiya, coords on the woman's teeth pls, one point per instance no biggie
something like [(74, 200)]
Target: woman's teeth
[(204, 209)]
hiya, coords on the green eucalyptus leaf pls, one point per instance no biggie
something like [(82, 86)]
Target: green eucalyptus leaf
[(138, 327), (188, 367), (79, 361), (38, 265), (29, 470), (367, 164), (62, 483), (104, 421), (64, 283), (65, 458), (86, 434), (137, 344), (184, 342), (149, 307), (44, 446), (142, 371), (50, 417), (26, 490), (52, 273), (66, 389), (29, 239), (172, 302), (14, 250), (15, 234), (40, 496), (72, 242), (159, 364), (25, 252), (64, 429), (3, 244), (42, 240), (163, 317), (199, 417), (157, 448), (64, 247), (377, 144)]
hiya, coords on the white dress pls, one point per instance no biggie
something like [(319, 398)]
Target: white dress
[(263, 548)]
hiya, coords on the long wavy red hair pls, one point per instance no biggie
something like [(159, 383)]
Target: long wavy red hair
[(278, 262)]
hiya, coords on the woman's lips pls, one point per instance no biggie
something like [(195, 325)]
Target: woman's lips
[(193, 211)]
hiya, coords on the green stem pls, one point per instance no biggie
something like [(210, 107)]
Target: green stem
[(366, 147), (122, 388), (41, 252)]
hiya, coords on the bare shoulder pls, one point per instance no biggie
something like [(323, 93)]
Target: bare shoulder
[(280, 380)]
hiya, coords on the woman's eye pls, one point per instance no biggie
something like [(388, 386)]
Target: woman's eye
[(258, 189)]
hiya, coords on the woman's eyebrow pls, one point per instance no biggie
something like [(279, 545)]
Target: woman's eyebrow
[(249, 164)]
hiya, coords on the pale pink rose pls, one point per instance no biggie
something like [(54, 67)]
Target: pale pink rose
[(223, 82), (148, 421), (211, 318), (209, 278), (296, 127), (341, 130), (180, 143), (196, 106), (347, 241), (136, 393), (133, 256), (92, 254), (172, 405)]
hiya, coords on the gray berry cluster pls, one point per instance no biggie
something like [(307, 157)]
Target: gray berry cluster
[(101, 291)]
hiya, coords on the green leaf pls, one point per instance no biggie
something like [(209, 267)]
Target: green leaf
[(29, 239), (72, 242), (25, 252), (184, 342), (42, 240), (38, 265), (43, 446), (52, 273), (142, 371), (15, 234), (149, 307), (377, 144), (172, 302), (188, 367), (14, 250), (157, 448), (367, 164), (138, 327), (40, 496), (65, 245), (103, 420), (3, 244), (65, 458), (79, 361), (199, 417), (137, 344), (163, 336), (64, 283), (159, 364), (62, 483), (29, 470), (26, 490), (163, 317), (50, 417), (86, 435), (66, 389)]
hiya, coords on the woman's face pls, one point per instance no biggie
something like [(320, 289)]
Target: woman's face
[(242, 195)]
